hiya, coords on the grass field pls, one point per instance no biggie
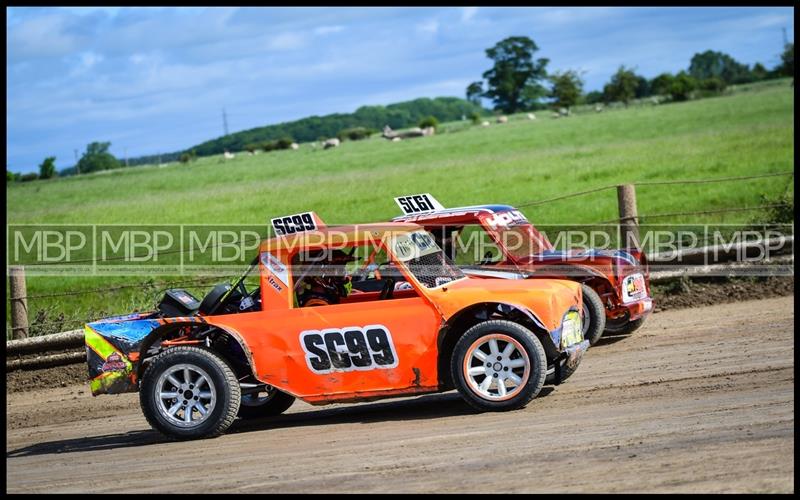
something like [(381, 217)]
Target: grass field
[(746, 133)]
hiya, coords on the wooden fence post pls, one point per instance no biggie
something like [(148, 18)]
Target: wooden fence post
[(628, 217), (19, 302)]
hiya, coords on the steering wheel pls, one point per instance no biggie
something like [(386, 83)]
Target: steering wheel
[(388, 289), (213, 303)]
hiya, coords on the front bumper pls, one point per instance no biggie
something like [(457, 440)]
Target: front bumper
[(570, 360), (575, 352)]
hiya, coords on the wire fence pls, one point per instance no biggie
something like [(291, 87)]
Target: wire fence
[(154, 288), (117, 288), (157, 287), (658, 183), (701, 212)]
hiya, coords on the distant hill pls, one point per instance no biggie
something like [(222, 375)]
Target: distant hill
[(399, 115)]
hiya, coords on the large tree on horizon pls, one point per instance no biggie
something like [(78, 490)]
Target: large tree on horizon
[(567, 88), (786, 67), (711, 64), (513, 83), (622, 87), (97, 158), (475, 92)]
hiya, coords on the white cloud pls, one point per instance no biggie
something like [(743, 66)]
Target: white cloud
[(286, 41), (89, 59), (467, 13), (429, 27), (327, 30), (43, 36)]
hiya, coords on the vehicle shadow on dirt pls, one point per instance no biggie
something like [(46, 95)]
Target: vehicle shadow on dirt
[(426, 407), (606, 340), (94, 443)]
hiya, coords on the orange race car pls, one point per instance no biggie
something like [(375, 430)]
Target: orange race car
[(338, 314)]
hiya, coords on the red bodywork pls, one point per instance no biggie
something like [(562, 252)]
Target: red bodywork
[(523, 248)]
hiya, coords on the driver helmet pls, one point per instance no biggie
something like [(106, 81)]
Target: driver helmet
[(329, 280)]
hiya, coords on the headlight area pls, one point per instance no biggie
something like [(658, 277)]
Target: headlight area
[(570, 332)]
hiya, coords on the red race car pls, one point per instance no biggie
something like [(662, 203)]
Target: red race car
[(488, 238)]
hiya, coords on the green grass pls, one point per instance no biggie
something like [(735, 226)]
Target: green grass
[(745, 133)]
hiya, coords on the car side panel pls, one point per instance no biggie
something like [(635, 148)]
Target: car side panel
[(275, 339)]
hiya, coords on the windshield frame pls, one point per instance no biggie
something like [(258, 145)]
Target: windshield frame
[(388, 246), (530, 233)]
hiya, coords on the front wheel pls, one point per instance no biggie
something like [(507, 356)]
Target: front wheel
[(594, 315), (267, 402), (498, 366), (189, 393)]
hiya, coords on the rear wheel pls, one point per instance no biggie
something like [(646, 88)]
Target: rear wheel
[(594, 315), (189, 393), (498, 366), (267, 402)]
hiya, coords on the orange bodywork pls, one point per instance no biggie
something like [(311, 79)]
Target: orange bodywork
[(412, 320)]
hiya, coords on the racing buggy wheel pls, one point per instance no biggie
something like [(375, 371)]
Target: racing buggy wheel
[(498, 365), (188, 392)]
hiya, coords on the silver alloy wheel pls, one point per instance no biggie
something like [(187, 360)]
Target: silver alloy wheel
[(259, 398), (186, 395), (498, 361)]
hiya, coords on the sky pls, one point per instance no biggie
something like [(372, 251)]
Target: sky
[(156, 80)]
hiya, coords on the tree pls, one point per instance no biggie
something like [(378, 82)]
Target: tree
[(710, 64), (188, 156), (429, 121), (642, 87), (47, 169), (9, 176), (593, 97), (759, 72), (97, 158), (662, 84), (567, 88), (786, 67), (475, 92), (682, 87), (513, 82), (622, 87), (712, 85)]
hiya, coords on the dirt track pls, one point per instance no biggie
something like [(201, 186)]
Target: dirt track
[(699, 400)]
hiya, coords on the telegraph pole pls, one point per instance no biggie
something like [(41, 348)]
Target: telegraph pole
[(77, 166), (785, 39), (224, 121), (126, 157)]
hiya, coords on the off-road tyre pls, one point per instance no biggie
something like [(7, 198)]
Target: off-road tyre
[(594, 313), (275, 403), (480, 336), (221, 383)]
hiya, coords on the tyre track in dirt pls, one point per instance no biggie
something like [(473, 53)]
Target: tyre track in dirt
[(698, 400)]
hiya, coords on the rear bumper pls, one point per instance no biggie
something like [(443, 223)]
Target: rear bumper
[(639, 309)]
